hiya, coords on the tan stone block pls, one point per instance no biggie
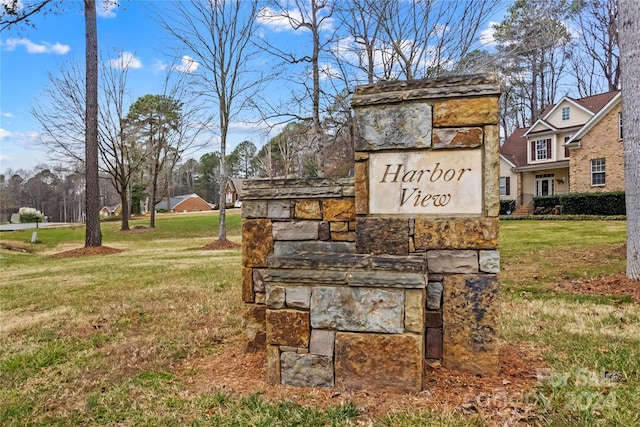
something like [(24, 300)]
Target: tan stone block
[(338, 226), (458, 233), (254, 327), (361, 183), (492, 171), (464, 137), (387, 362), (465, 112), (361, 156), (346, 236), (414, 310), (470, 316), (247, 285), (288, 327), (338, 209), (257, 242), (308, 209), (273, 365)]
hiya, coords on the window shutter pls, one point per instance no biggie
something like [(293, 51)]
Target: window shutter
[(549, 155), (507, 184), (533, 150)]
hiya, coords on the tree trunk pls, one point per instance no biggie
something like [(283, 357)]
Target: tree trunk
[(152, 203), (629, 12), (222, 223), (93, 235), (124, 210)]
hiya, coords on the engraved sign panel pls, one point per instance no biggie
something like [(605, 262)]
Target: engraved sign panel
[(446, 182)]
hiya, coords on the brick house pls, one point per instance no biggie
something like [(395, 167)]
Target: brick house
[(114, 210), (185, 203), (233, 190), (575, 146)]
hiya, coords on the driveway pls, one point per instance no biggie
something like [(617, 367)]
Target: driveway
[(29, 226)]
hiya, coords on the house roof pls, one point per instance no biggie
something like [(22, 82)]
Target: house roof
[(112, 208), (175, 201), (514, 148), (592, 103), (596, 102)]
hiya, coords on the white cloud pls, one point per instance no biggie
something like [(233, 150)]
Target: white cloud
[(125, 60), (328, 71), (276, 21), (158, 66), (487, 36), (282, 21), (107, 8), (187, 65), (4, 133), (31, 47), (7, 115)]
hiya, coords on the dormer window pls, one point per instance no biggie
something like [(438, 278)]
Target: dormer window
[(566, 113)]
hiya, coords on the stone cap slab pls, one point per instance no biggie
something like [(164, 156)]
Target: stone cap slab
[(412, 90), (256, 189), (349, 270)]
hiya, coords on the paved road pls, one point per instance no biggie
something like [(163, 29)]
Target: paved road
[(16, 227)]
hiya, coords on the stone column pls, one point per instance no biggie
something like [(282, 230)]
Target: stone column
[(427, 183)]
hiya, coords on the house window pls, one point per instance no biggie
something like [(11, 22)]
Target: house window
[(505, 189), (566, 113), (598, 169), (541, 149), (620, 125), (566, 149)]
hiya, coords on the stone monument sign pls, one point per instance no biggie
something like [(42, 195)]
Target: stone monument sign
[(361, 282)]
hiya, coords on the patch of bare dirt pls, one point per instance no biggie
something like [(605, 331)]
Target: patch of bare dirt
[(501, 399), (218, 245), (15, 247), (90, 251), (616, 285)]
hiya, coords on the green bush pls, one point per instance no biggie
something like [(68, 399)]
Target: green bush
[(612, 203), (30, 215)]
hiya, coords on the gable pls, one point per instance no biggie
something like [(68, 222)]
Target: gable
[(577, 114), (606, 111)]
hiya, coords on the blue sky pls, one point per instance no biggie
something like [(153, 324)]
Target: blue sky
[(28, 54)]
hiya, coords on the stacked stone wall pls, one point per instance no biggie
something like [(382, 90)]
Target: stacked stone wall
[(342, 290)]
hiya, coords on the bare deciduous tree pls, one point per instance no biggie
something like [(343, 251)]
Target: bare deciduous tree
[(596, 58), (121, 157), (533, 42), (219, 34)]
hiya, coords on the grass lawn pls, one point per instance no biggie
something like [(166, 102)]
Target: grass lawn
[(135, 338)]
